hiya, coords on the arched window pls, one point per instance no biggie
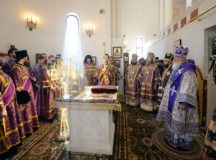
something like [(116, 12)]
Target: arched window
[(72, 46), (139, 46), (188, 3)]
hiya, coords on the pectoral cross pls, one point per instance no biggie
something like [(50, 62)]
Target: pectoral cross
[(173, 90), (180, 71)]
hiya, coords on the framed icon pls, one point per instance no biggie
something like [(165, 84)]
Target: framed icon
[(117, 52), (94, 60), (117, 63), (177, 43)]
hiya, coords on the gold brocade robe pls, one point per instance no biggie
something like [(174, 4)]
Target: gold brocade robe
[(105, 74), (90, 70), (149, 78)]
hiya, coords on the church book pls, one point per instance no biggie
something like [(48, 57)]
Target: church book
[(104, 89)]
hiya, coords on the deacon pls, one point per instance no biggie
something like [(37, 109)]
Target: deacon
[(149, 78), (105, 74), (89, 70), (39, 95), (44, 90), (7, 66), (132, 88), (11, 126), (178, 108), (167, 64), (23, 82)]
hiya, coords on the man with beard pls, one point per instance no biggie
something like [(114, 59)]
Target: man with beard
[(132, 88), (105, 74), (149, 78), (142, 61), (178, 108), (23, 82), (7, 66), (167, 64)]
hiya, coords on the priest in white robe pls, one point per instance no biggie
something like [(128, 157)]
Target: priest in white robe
[(179, 108)]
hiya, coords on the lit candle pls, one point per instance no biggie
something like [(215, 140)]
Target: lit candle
[(70, 70)]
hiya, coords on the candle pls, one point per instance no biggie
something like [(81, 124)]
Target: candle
[(70, 69), (104, 47)]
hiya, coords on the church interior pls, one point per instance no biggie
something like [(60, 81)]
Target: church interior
[(108, 80)]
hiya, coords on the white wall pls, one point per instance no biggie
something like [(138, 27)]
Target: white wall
[(139, 18), (48, 37), (192, 36), (195, 36)]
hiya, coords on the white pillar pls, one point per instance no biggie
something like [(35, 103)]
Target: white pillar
[(188, 3), (161, 14), (113, 17), (168, 11)]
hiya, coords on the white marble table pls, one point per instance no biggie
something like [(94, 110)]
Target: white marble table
[(90, 119)]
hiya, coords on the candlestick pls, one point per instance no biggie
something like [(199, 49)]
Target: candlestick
[(104, 47)]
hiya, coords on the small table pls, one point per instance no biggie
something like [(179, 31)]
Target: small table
[(90, 121)]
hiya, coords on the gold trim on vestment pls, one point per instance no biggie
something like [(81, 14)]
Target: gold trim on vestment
[(131, 92), (131, 97), (89, 106), (133, 79)]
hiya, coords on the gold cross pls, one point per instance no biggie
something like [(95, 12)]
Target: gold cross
[(147, 72)]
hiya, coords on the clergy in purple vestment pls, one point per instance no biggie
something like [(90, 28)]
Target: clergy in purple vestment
[(23, 81), (105, 73), (179, 105), (7, 66), (11, 126), (44, 93)]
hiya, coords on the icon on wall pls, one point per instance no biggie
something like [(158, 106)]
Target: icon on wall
[(117, 52), (94, 60)]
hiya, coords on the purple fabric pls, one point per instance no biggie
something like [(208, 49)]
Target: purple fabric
[(13, 125), (39, 92), (7, 66), (9, 93), (190, 100), (178, 127), (175, 82), (21, 77), (180, 51), (172, 94)]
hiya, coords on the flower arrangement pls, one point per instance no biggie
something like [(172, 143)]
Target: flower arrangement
[(213, 57)]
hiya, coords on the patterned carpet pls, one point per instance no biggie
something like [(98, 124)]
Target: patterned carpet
[(140, 127), (194, 154), (34, 143), (134, 128)]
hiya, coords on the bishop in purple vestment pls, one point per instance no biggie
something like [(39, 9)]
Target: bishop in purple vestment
[(105, 74)]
